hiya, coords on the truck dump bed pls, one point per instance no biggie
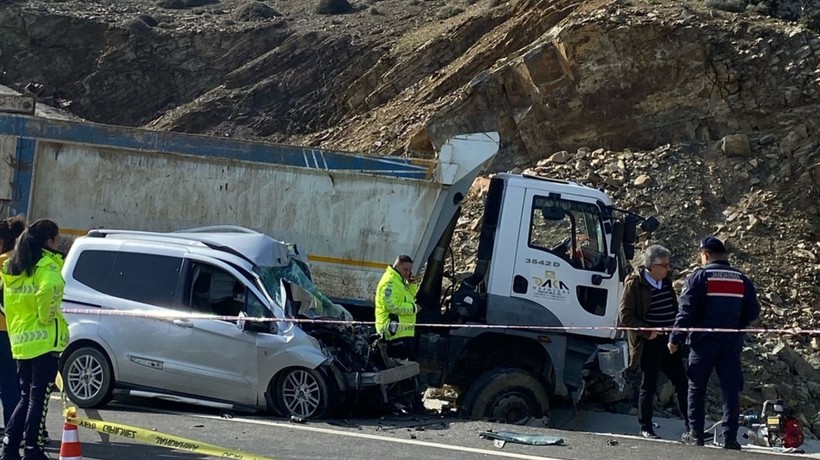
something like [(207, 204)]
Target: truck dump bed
[(351, 213)]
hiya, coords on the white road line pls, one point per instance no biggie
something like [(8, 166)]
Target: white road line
[(374, 437)]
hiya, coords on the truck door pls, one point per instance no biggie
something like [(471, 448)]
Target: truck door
[(561, 260)]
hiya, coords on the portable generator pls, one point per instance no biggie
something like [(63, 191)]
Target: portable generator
[(775, 426)]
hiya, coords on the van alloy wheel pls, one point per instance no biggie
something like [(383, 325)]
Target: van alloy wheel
[(88, 378), (302, 393), (85, 377)]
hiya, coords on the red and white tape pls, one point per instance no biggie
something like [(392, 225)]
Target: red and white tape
[(183, 315)]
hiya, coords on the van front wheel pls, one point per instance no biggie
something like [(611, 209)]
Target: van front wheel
[(303, 393)]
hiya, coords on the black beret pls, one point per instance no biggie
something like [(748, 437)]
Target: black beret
[(712, 244)]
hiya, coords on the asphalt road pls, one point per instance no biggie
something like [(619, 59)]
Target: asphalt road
[(390, 437)]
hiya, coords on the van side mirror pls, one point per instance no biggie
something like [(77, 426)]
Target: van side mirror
[(267, 327)]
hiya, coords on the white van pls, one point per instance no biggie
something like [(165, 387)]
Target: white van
[(162, 315)]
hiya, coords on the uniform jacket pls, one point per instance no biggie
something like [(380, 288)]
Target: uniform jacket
[(715, 296), (3, 258), (395, 300), (32, 303), (633, 308)]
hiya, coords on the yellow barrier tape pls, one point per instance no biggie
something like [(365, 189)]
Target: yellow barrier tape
[(160, 439), (148, 436)]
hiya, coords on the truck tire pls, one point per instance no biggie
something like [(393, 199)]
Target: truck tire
[(506, 395), (88, 378), (301, 392)]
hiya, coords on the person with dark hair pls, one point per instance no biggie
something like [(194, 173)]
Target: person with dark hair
[(33, 291), (10, 229), (396, 309), (649, 300), (715, 296)]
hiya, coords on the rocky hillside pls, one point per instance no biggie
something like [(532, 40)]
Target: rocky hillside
[(703, 113)]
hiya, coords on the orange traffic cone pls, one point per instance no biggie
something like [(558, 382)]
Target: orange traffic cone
[(70, 448)]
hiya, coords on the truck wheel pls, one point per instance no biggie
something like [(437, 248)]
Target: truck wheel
[(302, 393), (88, 378), (507, 395)]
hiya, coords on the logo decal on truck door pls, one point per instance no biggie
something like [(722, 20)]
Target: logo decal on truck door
[(549, 287)]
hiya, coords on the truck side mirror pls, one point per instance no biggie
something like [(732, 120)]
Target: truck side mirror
[(617, 237), (650, 224), (553, 213), (611, 265), (629, 251), (630, 235)]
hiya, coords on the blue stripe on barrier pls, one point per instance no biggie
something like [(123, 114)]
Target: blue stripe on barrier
[(36, 128)]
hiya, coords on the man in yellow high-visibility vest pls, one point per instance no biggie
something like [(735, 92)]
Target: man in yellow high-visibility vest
[(396, 308)]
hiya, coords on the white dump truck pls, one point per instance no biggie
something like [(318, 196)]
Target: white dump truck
[(552, 255)]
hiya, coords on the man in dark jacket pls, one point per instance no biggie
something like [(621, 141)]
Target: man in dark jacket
[(649, 300), (722, 297)]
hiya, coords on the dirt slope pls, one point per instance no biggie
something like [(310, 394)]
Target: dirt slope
[(636, 97)]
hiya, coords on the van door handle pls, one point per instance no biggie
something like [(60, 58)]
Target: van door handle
[(183, 323)]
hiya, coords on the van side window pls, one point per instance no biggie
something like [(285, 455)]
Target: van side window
[(214, 291), (145, 278), (93, 268)]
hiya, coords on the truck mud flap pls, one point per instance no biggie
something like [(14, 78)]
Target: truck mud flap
[(404, 371)]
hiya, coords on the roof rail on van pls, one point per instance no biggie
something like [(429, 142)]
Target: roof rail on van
[(147, 236), (103, 232), (218, 229), (176, 237)]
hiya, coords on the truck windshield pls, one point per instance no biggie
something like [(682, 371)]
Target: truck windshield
[(312, 303), (571, 230)]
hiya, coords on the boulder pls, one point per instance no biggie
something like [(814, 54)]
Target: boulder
[(796, 363), (735, 145), (333, 7), (642, 181)]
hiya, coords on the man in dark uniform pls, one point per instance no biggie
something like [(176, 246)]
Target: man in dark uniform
[(715, 296)]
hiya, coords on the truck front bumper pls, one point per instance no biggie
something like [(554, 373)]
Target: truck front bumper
[(404, 371)]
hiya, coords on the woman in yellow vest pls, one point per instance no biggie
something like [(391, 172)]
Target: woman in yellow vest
[(10, 229), (32, 293)]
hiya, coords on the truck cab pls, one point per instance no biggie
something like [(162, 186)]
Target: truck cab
[(541, 303)]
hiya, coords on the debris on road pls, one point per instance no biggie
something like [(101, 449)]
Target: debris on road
[(522, 438)]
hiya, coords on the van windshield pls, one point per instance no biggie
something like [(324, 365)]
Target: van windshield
[(313, 304)]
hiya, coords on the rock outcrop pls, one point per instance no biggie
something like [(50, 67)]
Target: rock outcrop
[(701, 113)]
